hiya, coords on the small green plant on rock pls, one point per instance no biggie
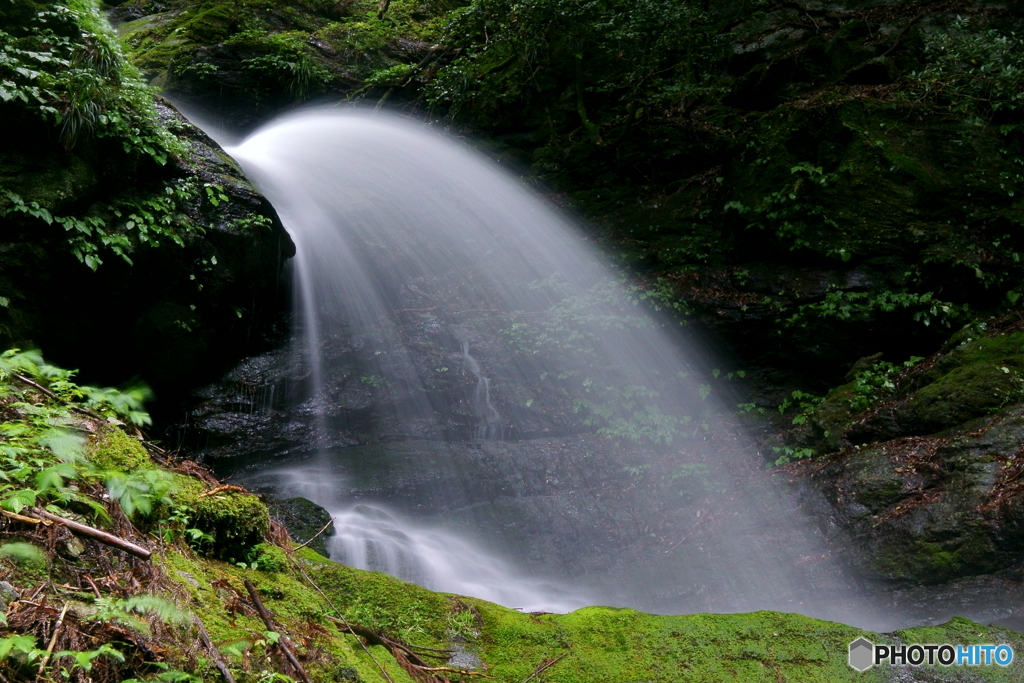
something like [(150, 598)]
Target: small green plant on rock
[(41, 457), (268, 558), (878, 382), (792, 212), (804, 402)]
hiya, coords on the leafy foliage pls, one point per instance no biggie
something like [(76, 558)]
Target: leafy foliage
[(133, 219), (877, 382), (287, 64), (39, 457), (65, 65), (973, 70), (791, 213), (575, 58), (140, 492), (129, 611), (862, 306), (24, 648)]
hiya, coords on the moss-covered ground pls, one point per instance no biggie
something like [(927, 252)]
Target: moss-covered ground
[(591, 645)]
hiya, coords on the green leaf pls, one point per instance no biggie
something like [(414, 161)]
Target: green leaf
[(20, 499), (22, 553), (83, 660), (65, 444), (53, 477), (26, 644)]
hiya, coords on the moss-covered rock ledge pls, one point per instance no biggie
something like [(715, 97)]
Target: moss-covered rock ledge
[(178, 605)]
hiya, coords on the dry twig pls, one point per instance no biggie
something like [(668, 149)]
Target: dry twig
[(223, 488), (53, 640), (544, 666), (217, 659), (313, 537)]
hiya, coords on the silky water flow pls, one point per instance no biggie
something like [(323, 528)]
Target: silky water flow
[(539, 423)]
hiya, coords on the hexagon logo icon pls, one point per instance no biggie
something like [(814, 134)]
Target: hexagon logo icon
[(862, 654)]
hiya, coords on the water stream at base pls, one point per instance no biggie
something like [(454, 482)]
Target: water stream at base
[(490, 318)]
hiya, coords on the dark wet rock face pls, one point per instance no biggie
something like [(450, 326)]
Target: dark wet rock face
[(304, 520), (931, 509), (926, 477)]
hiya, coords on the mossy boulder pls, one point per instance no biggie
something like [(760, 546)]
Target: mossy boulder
[(113, 449), (590, 645), (979, 371), (973, 379), (931, 509), (234, 522)]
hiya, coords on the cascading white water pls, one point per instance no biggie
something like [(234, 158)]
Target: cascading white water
[(403, 235), (489, 419), (370, 537)]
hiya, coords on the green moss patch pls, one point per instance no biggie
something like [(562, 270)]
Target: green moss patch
[(268, 558), (233, 522), (115, 450), (972, 380)]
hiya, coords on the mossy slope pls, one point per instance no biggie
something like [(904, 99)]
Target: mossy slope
[(591, 645)]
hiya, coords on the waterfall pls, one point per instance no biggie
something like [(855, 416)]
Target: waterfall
[(465, 338), (489, 425)]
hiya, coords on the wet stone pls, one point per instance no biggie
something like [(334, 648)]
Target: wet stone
[(303, 519)]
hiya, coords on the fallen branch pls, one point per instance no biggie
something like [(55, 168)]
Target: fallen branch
[(101, 536), (223, 488), (157, 453), (217, 659), (92, 584), (282, 643), (412, 662), (313, 538), (544, 666), (21, 518), (49, 394)]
